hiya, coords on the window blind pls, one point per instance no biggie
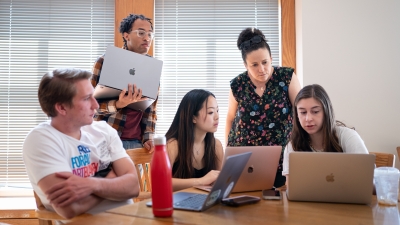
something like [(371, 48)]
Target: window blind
[(196, 39), (36, 37)]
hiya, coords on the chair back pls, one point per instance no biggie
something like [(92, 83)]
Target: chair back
[(383, 159), (142, 158)]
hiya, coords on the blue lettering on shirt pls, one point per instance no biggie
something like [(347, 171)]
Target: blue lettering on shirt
[(83, 159)]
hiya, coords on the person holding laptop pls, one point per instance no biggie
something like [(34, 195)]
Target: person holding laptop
[(260, 99), (134, 127), (76, 165), (195, 154), (315, 128)]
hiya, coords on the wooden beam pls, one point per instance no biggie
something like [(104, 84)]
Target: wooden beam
[(123, 8), (288, 33)]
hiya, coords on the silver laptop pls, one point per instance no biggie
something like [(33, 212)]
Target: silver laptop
[(260, 171), (222, 187), (331, 177), (122, 67)]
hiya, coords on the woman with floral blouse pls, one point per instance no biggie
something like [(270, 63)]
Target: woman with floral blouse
[(260, 99)]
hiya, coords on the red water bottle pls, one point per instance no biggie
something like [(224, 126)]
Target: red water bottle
[(161, 179)]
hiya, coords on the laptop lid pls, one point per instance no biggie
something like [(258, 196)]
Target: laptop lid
[(222, 187), (260, 171), (331, 177), (121, 67)]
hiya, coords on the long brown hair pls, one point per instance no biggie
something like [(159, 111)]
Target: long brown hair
[(300, 139), (182, 130)]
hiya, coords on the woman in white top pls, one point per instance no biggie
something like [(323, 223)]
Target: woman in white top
[(315, 128)]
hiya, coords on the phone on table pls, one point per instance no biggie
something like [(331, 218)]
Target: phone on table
[(240, 200), (271, 194)]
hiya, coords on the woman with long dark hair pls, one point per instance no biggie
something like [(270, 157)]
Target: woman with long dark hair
[(195, 154)]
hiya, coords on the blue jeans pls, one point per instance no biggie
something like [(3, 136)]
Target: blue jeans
[(129, 144)]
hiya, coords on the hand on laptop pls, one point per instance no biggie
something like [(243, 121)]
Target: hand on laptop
[(134, 95), (209, 178)]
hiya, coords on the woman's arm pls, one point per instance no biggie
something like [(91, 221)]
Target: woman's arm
[(294, 88), (232, 108), (208, 179), (219, 151)]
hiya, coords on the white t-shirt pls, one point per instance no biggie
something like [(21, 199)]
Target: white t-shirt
[(47, 151), (349, 140)]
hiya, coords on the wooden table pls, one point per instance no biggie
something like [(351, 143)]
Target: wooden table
[(115, 219), (268, 211)]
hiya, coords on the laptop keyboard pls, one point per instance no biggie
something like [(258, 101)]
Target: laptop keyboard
[(193, 202)]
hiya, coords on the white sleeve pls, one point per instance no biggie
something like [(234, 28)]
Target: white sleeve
[(351, 141), (285, 164), (43, 154)]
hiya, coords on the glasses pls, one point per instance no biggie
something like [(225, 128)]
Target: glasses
[(142, 33), (255, 40)]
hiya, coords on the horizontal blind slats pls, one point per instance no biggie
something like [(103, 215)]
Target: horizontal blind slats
[(36, 38), (196, 39)]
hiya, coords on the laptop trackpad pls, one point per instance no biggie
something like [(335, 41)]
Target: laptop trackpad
[(177, 197)]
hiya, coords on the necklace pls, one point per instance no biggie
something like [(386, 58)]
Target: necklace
[(315, 150), (262, 88)]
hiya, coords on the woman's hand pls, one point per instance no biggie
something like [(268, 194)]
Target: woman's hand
[(209, 178)]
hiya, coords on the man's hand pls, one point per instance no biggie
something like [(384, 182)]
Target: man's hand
[(72, 189), (134, 95), (149, 145)]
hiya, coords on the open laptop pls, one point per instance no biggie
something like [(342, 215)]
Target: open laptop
[(331, 177), (222, 187), (122, 67), (259, 172)]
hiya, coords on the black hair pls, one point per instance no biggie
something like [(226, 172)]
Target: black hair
[(182, 130), (251, 39), (127, 22)]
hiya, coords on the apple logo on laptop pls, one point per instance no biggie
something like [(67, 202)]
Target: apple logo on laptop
[(250, 169), (132, 71), (330, 178)]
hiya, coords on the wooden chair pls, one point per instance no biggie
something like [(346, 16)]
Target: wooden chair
[(46, 217), (384, 159), (141, 156)]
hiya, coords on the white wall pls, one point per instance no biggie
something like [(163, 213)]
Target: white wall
[(352, 49)]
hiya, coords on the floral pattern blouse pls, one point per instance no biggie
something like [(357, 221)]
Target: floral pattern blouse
[(262, 120)]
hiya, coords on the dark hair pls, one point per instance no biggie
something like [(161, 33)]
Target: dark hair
[(127, 22), (182, 130), (300, 139), (58, 86), (251, 39)]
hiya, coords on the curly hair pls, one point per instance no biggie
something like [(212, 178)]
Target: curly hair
[(127, 22), (251, 39)]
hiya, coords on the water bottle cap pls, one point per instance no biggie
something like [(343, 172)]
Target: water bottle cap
[(160, 140)]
